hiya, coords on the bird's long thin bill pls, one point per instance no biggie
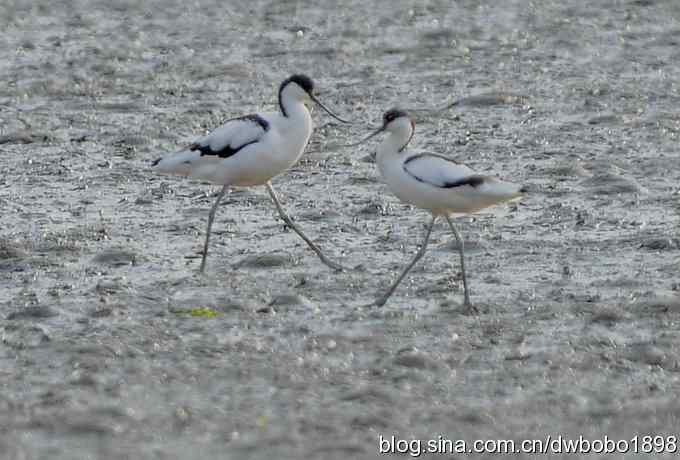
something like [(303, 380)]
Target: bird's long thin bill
[(378, 131), (328, 111)]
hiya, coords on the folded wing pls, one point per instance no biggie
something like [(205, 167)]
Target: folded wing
[(232, 136), (223, 142), (440, 171), (444, 173)]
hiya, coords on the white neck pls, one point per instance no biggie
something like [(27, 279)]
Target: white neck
[(298, 120), (295, 110), (395, 141), (289, 102), (392, 147)]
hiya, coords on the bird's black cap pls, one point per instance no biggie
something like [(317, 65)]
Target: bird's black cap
[(393, 114), (303, 81)]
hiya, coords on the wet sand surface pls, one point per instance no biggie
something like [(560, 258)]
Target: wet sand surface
[(577, 285)]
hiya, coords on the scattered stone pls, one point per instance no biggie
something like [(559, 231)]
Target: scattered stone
[(416, 360), (23, 137), (234, 304), (362, 180), (518, 354), (132, 140), (376, 209), (369, 393), (370, 158), (475, 417), (32, 312), (124, 107), (265, 309), (264, 261), (20, 336), (490, 99), (659, 244), (318, 215), (83, 425), (608, 119), (661, 303), (569, 169), (82, 378), (371, 420), (82, 135), (287, 301), (108, 287), (648, 354), (607, 315), (116, 257), (182, 416), (612, 183), (11, 250), (101, 312)]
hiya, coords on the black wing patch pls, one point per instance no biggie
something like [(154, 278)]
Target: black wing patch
[(472, 181), (254, 118), (228, 150)]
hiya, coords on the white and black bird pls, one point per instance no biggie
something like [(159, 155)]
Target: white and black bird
[(435, 183), (252, 149)]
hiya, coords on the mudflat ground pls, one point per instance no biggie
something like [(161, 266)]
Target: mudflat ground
[(577, 285)]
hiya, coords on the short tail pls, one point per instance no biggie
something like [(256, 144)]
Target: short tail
[(503, 191), (520, 192), (176, 163)]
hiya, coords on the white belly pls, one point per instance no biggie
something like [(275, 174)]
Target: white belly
[(253, 165)]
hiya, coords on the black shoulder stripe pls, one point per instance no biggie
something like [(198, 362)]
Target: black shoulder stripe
[(414, 157), (472, 181), (255, 118), (229, 151), (226, 152)]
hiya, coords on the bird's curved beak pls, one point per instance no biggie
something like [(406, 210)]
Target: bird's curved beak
[(373, 134), (328, 111)]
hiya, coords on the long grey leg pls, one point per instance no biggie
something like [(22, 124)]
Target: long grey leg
[(297, 230), (382, 300), (461, 249), (211, 217)]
